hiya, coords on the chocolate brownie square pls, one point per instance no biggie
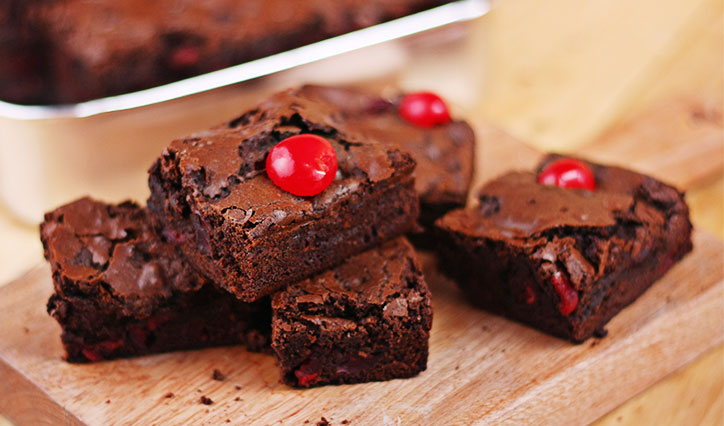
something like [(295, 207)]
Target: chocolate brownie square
[(121, 291), (210, 194), (565, 261), (445, 153), (368, 319)]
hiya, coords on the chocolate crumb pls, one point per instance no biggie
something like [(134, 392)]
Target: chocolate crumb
[(323, 422), (457, 367), (169, 395), (600, 333), (237, 399), (206, 401), (344, 422), (108, 401), (26, 330), (218, 376), (199, 390), (228, 421), (237, 387)]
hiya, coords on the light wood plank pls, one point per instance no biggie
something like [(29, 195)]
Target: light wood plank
[(692, 396), (482, 368), (680, 141)]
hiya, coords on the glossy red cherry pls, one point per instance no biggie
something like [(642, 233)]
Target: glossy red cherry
[(569, 296), (424, 109), (304, 164), (568, 173)]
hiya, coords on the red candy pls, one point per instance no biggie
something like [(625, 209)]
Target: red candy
[(424, 109), (304, 164), (99, 351), (529, 295), (185, 56), (568, 173), (306, 373), (569, 296)]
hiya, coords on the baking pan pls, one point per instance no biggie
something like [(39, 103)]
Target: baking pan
[(52, 154)]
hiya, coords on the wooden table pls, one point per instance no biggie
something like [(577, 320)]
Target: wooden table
[(557, 74)]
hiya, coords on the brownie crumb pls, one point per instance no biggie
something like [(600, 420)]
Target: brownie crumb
[(237, 399), (457, 367), (169, 395), (237, 387), (218, 375), (323, 422), (108, 401), (600, 333), (26, 330), (344, 422), (228, 420), (206, 401)]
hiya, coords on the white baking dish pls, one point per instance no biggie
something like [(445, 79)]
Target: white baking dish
[(52, 154)]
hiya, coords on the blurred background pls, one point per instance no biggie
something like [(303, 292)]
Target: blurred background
[(555, 74)]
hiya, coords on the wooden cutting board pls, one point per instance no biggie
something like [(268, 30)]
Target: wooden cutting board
[(482, 368)]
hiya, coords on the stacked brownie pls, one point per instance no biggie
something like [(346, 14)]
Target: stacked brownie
[(222, 255), (90, 49)]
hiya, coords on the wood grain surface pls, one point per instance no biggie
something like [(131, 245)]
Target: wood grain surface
[(482, 369), (557, 74)]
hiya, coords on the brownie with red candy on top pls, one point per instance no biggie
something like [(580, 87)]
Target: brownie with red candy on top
[(280, 193), (419, 123), (565, 248)]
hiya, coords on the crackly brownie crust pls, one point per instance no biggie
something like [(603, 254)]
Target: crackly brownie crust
[(365, 320), (121, 291), (608, 245), (99, 48), (444, 154), (210, 194)]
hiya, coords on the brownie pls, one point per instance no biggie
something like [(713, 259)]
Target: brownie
[(211, 196), (21, 60), (565, 261), (444, 154), (99, 48), (368, 319), (121, 291)]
